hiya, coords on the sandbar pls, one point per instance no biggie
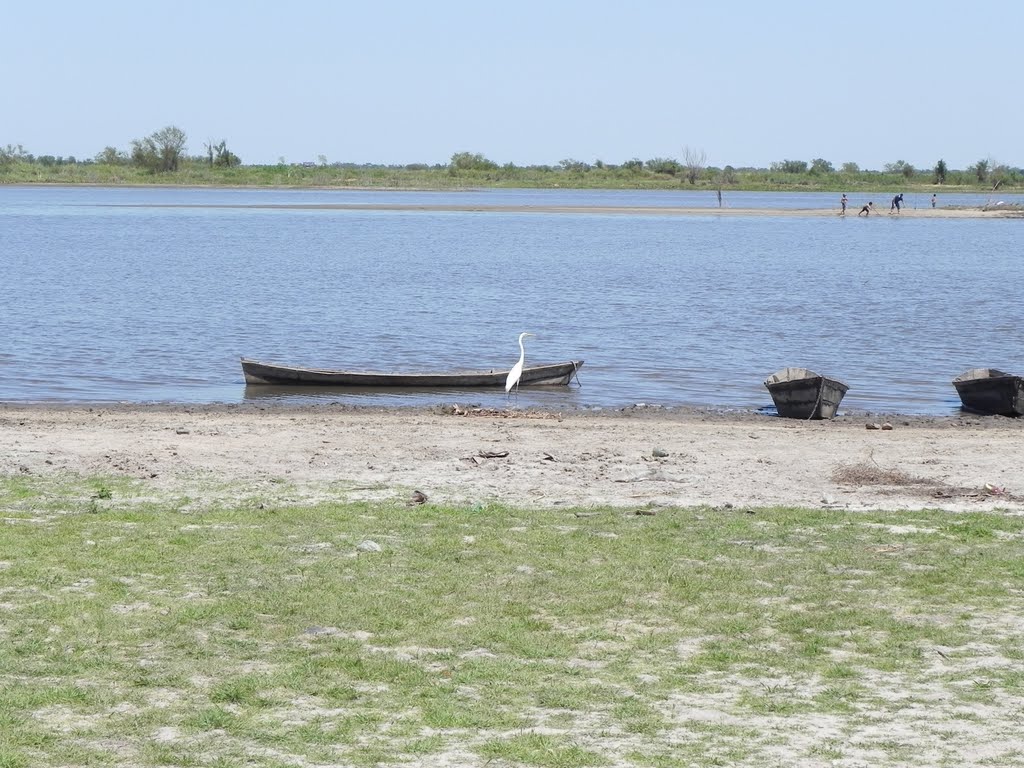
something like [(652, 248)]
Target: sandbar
[(987, 212)]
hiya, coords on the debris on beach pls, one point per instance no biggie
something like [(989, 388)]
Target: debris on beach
[(418, 497), (477, 459), (476, 410)]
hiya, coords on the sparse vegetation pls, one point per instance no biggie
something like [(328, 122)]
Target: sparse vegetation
[(260, 634)]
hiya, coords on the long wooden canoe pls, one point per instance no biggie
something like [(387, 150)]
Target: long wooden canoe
[(991, 391), (272, 373), (802, 394)]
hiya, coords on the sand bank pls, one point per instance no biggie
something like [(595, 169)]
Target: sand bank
[(851, 212)]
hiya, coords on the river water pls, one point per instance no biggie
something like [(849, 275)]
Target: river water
[(116, 294)]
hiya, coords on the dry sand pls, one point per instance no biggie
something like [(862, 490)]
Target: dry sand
[(630, 458)]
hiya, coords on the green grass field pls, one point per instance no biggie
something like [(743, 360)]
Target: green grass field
[(151, 634)]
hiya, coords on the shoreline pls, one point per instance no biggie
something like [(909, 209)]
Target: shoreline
[(628, 459), (951, 212), (637, 410)]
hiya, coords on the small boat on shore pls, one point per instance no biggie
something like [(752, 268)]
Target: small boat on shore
[(802, 394), (272, 373), (991, 391)]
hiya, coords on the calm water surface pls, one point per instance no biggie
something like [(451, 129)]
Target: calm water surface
[(108, 303)]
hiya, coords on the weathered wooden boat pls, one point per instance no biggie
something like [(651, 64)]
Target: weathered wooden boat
[(802, 394), (272, 373), (991, 391)]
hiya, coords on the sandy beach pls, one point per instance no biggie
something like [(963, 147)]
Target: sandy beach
[(459, 455)]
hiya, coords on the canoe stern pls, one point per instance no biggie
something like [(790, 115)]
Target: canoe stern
[(991, 391), (802, 394)]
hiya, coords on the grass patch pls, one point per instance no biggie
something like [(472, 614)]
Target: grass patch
[(243, 634), (541, 750)]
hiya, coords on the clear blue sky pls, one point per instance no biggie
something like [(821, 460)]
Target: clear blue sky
[(522, 81)]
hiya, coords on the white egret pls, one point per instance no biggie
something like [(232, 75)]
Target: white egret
[(517, 369)]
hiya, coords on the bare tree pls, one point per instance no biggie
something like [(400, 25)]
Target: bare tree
[(694, 160)]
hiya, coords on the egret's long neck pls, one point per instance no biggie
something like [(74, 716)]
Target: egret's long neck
[(522, 350)]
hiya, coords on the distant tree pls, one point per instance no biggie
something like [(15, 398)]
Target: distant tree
[(111, 156), (694, 160), (729, 175), (980, 170), (851, 169), (790, 166), (664, 165), (821, 166), (634, 166), (940, 172), (13, 153), (468, 161), (574, 166), (908, 171), (161, 151), (999, 175), (896, 167), (219, 156)]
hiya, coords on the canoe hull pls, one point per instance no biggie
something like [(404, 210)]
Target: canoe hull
[(802, 394), (991, 391), (271, 373)]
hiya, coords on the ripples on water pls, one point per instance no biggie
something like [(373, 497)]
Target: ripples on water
[(157, 304)]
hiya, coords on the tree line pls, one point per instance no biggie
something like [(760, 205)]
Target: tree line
[(164, 153)]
